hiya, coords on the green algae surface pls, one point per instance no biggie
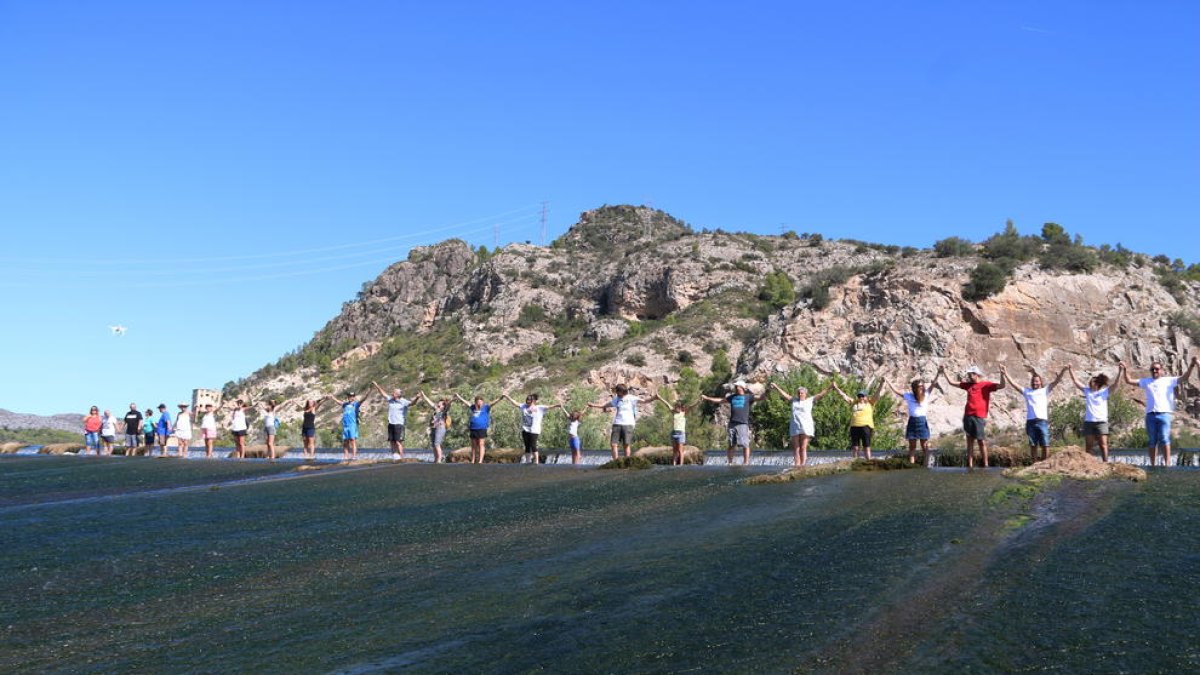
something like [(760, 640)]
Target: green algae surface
[(440, 568)]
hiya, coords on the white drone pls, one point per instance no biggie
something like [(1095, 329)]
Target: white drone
[(118, 330)]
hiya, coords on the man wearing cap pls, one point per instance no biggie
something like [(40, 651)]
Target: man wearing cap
[(162, 428), (979, 396), (397, 412), (739, 418)]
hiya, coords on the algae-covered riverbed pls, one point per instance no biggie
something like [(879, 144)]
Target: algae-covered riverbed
[(438, 568)]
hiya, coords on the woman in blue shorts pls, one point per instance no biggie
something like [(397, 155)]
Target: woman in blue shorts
[(917, 429)]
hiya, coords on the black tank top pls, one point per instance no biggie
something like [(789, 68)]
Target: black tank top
[(310, 421)]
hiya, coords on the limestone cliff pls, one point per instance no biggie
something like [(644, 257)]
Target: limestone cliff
[(631, 294)]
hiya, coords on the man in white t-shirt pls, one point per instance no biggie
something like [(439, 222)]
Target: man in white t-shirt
[(626, 406), (1159, 390), (1037, 410), (397, 415)]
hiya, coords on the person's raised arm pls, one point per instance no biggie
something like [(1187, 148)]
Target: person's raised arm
[(844, 395), (1070, 370), (779, 389), (508, 398), (1188, 373), (712, 399), (821, 394), (659, 396), (1050, 387), (461, 399), (425, 397), (892, 388), (1123, 372), (380, 389)]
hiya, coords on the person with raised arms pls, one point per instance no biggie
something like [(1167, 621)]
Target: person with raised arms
[(478, 424), (979, 397), (625, 407), (270, 427), (182, 430), (350, 408), (1159, 390), (1095, 408), (862, 420), (397, 415), (1037, 410), (738, 430), (917, 400), (308, 427), (532, 414), (801, 428), (679, 411), (238, 428), (574, 417), (208, 429), (439, 423)]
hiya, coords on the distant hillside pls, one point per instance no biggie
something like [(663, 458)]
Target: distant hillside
[(62, 422), (633, 295)]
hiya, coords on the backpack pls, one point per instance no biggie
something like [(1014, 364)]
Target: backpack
[(447, 421)]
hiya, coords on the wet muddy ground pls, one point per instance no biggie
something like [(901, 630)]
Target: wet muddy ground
[(439, 568)]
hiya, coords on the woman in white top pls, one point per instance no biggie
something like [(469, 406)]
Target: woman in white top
[(108, 432), (917, 429), (208, 430), (270, 427), (573, 442), (801, 428), (625, 407), (183, 429), (1095, 408), (238, 427)]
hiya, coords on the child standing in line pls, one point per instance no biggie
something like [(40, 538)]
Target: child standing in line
[(862, 420), (678, 428), (573, 442)]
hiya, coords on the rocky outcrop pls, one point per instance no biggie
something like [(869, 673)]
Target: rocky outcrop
[(630, 295)]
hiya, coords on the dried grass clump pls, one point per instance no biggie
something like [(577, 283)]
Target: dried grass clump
[(260, 451), (10, 448), (661, 454), (634, 462), (1074, 462), (808, 471), (61, 448), (490, 456)]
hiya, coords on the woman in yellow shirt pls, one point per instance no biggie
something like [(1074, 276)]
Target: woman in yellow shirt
[(862, 420)]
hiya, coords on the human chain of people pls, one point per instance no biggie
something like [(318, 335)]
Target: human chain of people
[(1159, 390)]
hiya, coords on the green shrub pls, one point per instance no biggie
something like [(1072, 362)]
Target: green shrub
[(777, 290), (953, 247), (987, 279), (831, 414)]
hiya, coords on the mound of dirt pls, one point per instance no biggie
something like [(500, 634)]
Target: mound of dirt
[(260, 451), (1074, 462)]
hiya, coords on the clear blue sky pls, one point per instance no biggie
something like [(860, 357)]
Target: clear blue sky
[(220, 176)]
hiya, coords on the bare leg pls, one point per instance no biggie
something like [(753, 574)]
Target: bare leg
[(1153, 453), (1166, 454), (1103, 442), (353, 448), (983, 451), (271, 447), (912, 451), (796, 450), (804, 438), (970, 452), (614, 451), (868, 451), (745, 455), (924, 452)]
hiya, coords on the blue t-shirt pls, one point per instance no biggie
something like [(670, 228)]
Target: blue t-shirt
[(163, 426), (350, 413), (482, 418)]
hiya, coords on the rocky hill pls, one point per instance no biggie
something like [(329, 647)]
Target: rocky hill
[(633, 295), (20, 421)]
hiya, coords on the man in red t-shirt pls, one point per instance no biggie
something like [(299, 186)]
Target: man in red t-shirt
[(979, 395)]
